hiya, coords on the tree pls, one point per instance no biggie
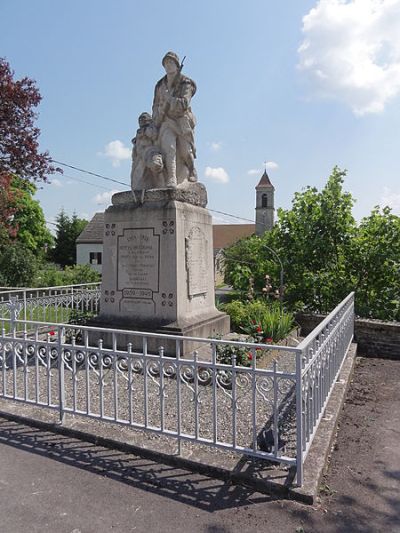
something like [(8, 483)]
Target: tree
[(8, 229), (19, 146), (312, 240), (28, 218), (246, 264), (374, 263), (18, 266), (68, 230)]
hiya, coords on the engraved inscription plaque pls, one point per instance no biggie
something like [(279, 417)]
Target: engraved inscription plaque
[(196, 262), (138, 257)]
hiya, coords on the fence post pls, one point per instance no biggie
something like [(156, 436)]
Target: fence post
[(14, 306), (61, 389), (25, 315), (299, 419)]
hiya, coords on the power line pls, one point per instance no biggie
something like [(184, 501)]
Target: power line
[(126, 184), (230, 215), (87, 182), (88, 172)]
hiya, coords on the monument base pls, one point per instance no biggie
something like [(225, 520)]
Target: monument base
[(208, 326), (158, 268)]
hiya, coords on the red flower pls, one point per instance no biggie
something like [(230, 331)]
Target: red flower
[(269, 340), (259, 329), (52, 333), (250, 356)]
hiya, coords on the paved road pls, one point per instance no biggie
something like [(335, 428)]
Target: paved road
[(52, 483)]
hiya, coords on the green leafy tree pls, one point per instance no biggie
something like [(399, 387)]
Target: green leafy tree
[(311, 239), (374, 262), (29, 221), (18, 266), (68, 230), (246, 264)]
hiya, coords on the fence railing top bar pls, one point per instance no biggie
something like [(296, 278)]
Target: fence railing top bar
[(56, 287), (210, 340), (316, 331)]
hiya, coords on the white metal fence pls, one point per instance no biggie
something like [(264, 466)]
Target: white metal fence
[(50, 304), (266, 403)]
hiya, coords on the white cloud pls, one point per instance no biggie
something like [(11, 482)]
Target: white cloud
[(351, 52), (117, 152), (216, 146), (56, 182), (391, 199), (254, 171), (104, 198), (217, 174), (271, 165)]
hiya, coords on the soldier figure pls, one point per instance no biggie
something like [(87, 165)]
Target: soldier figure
[(174, 118)]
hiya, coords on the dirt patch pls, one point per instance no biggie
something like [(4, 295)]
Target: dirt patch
[(360, 491)]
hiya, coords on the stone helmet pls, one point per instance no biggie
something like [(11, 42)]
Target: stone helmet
[(144, 118), (173, 56)]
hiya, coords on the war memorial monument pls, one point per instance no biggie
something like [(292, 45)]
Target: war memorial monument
[(158, 268)]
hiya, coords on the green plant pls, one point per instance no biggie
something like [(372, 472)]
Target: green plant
[(52, 275), (17, 266), (226, 353), (262, 321), (77, 317)]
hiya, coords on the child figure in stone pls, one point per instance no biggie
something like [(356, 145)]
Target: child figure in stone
[(147, 162)]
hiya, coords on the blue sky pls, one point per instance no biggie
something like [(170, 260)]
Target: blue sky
[(301, 84)]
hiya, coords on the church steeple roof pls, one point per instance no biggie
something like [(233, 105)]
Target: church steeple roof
[(264, 181)]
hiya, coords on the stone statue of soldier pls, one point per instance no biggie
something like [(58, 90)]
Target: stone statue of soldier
[(173, 117)]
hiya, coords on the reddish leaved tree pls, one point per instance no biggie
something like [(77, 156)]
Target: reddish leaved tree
[(19, 147)]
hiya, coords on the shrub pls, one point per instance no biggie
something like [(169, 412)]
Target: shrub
[(18, 266), (53, 276), (263, 322), (225, 353)]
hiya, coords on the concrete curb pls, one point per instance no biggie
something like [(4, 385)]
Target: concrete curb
[(279, 481)]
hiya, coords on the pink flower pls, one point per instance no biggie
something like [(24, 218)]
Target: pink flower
[(269, 339)]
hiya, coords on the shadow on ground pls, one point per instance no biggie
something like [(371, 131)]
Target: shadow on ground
[(191, 488)]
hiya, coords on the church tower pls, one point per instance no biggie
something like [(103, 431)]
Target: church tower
[(264, 205)]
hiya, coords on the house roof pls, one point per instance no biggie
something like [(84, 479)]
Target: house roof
[(226, 234), (93, 232), (264, 181)]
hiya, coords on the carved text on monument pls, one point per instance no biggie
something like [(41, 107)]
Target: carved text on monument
[(138, 261), (196, 262)]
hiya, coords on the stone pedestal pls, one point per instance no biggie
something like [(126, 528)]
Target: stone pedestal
[(158, 273)]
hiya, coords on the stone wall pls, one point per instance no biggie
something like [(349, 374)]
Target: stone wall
[(375, 338)]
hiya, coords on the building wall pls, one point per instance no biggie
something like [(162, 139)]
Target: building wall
[(83, 254)]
